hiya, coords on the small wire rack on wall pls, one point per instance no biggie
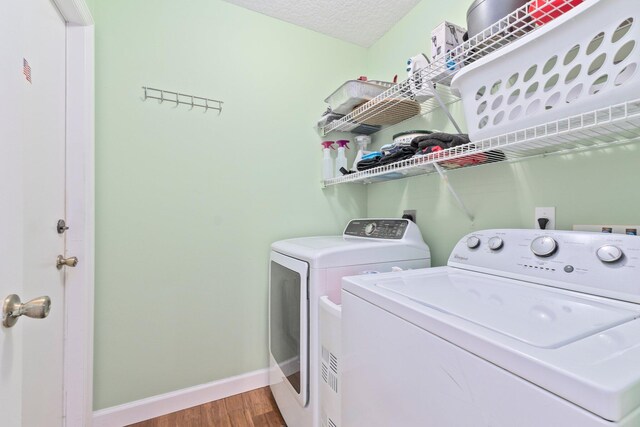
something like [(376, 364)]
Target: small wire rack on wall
[(178, 98)]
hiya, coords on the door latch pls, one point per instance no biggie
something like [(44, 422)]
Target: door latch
[(69, 262), (61, 226)]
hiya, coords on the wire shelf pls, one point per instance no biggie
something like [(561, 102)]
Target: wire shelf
[(419, 87), (597, 129)]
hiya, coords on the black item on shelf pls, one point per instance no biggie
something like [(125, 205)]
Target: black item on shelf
[(439, 139), (402, 153), (364, 165), (435, 142), (343, 171)]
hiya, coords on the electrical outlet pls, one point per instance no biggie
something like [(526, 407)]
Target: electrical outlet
[(549, 213), (411, 212)]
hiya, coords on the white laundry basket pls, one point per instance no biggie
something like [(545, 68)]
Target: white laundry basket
[(582, 61)]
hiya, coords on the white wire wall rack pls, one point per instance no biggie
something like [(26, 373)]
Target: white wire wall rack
[(429, 86), (178, 98), (593, 130)]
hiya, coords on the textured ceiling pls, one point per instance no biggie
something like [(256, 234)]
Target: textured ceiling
[(361, 22)]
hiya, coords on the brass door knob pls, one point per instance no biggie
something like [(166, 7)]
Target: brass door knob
[(12, 309), (69, 262)]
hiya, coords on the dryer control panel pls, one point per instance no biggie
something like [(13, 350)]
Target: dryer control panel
[(377, 228)]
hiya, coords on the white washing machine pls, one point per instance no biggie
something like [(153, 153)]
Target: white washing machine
[(304, 270), (523, 328)]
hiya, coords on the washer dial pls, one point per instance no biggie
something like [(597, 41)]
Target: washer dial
[(610, 254), (544, 246), (473, 242), (496, 243)]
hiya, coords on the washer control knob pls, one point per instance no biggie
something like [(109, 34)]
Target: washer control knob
[(496, 243), (610, 254), (370, 228), (544, 246), (473, 242)]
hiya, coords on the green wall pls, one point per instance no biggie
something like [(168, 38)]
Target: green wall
[(188, 203), (595, 187)]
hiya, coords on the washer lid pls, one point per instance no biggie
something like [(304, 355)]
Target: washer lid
[(538, 316), (583, 348)]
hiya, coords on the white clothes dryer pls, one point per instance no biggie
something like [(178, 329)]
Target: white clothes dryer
[(301, 272), (524, 328)]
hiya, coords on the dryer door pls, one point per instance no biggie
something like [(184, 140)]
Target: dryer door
[(289, 321)]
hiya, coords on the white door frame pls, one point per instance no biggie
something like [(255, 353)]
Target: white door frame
[(79, 284)]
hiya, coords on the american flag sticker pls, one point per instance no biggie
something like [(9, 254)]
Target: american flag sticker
[(26, 70)]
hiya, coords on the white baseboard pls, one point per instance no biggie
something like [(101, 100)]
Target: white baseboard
[(155, 406)]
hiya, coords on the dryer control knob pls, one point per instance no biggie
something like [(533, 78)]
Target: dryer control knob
[(610, 254), (544, 246), (473, 242), (370, 228), (496, 243)]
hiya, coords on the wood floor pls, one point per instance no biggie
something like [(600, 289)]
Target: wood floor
[(255, 408)]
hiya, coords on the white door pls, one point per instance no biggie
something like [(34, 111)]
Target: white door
[(32, 191)]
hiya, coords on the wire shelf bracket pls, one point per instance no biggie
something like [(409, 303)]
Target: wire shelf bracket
[(445, 179), (443, 105), (181, 98)]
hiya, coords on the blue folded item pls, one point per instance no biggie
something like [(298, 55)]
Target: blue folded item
[(373, 155)]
